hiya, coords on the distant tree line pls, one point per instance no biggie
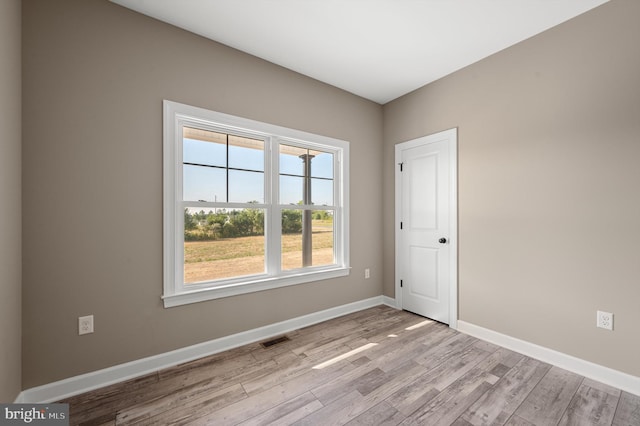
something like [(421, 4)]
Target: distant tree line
[(212, 225)]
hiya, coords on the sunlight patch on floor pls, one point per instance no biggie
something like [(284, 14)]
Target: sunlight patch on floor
[(343, 356), (418, 325)]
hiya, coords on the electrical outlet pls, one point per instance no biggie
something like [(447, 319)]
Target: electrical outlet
[(367, 273), (605, 320), (85, 325)]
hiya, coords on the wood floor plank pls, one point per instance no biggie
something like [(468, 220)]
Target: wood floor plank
[(335, 413), (506, 358), (412, 396), (486, 346), (248, 408), (330, 345), (181, 407), (500, 362), (233, 359), (314, 354), (258, 403), (550, 398), (499, 403), (382, 332), (288, 412), (519, 421), (453, 401), (379, 357), (286, 371), (361, 360), (349, 407), (628, 411), (101, 405), (461, 422), (341, 385), (206, 368), (382, 414), (317, 335), (285, 359), (434, 356), (396, 379), (446, 406), (590, 406), (449, 372), (602, 387), (409, 346), (212, 376), (428, 385), (371, 381), (309, 340)]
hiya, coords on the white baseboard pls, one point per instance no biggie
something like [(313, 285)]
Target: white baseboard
[(389, 302), (606, 375), (96, 379)]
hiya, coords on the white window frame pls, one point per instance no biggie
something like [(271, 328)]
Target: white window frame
[(177, 115)]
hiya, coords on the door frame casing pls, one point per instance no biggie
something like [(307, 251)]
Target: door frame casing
[(451, 136)]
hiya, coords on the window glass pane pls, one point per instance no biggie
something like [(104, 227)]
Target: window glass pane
[(204, 147), (204, 184), (222, 244), (322, 165), (291, 189), (320, 241), (246, 153), (322, 192), (246, 187), (292, 175), (291, 239), (290, 161)]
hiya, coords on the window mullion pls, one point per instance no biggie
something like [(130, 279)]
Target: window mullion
[(274, 251), (227, 167)]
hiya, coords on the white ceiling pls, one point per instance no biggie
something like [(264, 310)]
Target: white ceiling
[(377, 49)]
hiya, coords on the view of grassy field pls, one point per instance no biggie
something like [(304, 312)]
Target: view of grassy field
[(230, 257)]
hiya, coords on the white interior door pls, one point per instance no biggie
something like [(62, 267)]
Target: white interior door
[(426, 249)]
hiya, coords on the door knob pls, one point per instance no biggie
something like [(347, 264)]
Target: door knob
[(442, 240)]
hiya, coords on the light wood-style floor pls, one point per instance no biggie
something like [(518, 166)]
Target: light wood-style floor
[(380, 366)]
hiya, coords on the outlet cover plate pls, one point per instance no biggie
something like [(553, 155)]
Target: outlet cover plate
[(605, 320), (85, 325)]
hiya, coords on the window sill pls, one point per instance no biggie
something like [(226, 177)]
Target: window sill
[(201, 295)]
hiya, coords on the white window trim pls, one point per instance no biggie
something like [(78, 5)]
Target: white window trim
[(175, 293)]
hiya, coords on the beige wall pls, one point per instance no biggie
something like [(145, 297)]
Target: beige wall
[(95, 76), (549, 199), (10, 204)]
